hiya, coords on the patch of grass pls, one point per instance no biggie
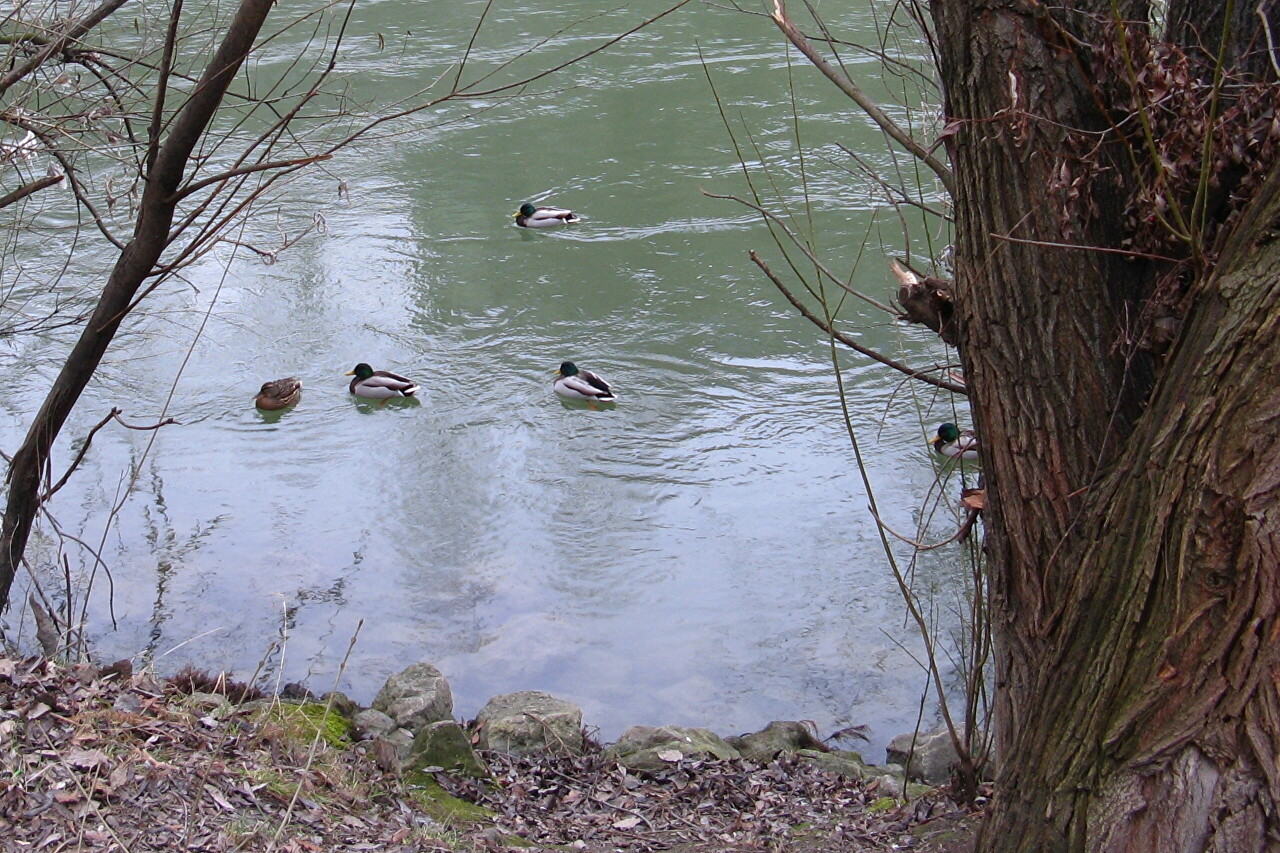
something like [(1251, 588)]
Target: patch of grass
[(279, 784), (244, 831)]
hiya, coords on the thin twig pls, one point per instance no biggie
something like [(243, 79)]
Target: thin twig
[(1081, 248), (315, 741), (846, 85), (818, 265), (84, 448), (960, 533), (850, 342)]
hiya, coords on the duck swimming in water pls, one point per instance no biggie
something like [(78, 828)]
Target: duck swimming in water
[(379, 384), (955, 443), (529, 216), (279, 394), (577, 384)]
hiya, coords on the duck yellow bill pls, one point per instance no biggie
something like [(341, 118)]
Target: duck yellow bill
[(349, 373)]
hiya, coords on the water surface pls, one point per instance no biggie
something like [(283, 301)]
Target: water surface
[(699, 554)]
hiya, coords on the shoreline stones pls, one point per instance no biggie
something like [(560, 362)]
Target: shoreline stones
[(927, 757), (780, 736), (411, 725)]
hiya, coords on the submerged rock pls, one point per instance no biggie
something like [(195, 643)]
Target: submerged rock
[(415, 697), (530, 721)]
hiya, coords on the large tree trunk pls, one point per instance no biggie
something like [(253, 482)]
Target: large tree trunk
[(1132, 523)]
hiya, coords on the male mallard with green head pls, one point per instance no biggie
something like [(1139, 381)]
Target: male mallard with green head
[(279, 394), (529, 216), (955, 443), (379, 384), (577, 384)]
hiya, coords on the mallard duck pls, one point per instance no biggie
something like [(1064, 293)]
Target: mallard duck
[(955, 443), (379, 384), (579, 384), (529, 216), (279, 394)]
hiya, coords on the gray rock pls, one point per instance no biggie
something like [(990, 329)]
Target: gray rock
[(655, 747), (529, 722), (416, 697), (777, 738), (371, 723), (446, 745), (401, 740), (341, 703), (888, 785), (840, 762), (931, 759)]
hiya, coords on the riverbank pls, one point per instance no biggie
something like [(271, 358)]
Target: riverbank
[(112, 760)]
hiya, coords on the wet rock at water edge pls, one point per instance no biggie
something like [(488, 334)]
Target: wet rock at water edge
[(931, 759), (781, 737), (528, 722), (654, 747), (415, 697)]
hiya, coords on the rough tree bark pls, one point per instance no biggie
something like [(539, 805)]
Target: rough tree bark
[(136, 263), (1133, 522)]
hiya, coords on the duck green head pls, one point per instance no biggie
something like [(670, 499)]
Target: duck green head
[(568, 368), (948, 433), (361, 370), (527, 209)]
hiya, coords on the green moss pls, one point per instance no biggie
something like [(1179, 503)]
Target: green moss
[(883, 804), (301, 722), (427, 794), (445, 744)]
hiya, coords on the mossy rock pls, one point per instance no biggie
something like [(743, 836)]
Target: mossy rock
[(840, 762), (446, 745), (781, 737), (651, 748), (883, 804)]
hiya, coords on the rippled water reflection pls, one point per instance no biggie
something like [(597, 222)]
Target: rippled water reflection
[(699, 554)]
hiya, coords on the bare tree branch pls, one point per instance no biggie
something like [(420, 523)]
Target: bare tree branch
[(29, 189), (246, 170), (855, 93), (136, 262), (813, 259), (848, 341)]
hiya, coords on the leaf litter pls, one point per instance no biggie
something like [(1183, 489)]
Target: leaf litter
[(111, 760)]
